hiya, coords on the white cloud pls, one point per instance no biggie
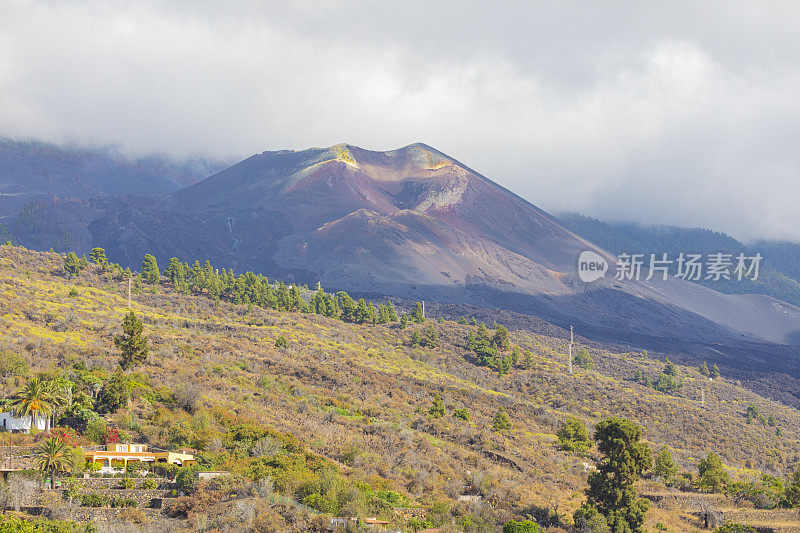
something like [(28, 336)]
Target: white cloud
[(684, 113)]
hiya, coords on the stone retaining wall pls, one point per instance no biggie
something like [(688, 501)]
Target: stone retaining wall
[(762, 515), (142, 496), (95, 514), (97, 483)]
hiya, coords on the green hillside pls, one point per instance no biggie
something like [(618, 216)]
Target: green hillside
[(779, 274), (341, 415)]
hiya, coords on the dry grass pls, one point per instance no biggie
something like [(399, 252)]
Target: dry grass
[(357, 394)]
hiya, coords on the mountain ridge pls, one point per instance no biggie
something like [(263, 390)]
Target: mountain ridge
[(416, 223), (33, 171)]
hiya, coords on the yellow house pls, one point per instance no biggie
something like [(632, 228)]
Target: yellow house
[(120, 455)]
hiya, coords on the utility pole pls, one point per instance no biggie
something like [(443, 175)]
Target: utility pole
[(571, 339), (423, 308)]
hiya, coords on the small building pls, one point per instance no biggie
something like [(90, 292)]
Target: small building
[(119, 456), (9, 422)]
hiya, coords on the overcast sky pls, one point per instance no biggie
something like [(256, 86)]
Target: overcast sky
[(665, 112)]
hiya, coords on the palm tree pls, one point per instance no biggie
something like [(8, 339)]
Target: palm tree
[(52, 456), (35, 399)]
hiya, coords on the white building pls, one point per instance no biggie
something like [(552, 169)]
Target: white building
[(9, 422)]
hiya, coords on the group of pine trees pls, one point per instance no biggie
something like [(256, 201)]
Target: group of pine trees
[(248, 289), (668, 381), (494, 350), (712, 372), (73, 265)]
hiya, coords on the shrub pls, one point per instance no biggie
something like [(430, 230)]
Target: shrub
[(583, 359), (522, 526), (437, 409), (588, 518), (266, 447), (666, 384), (12, 364), (736, 528), (94, 500), (573, 436), (124, 502), (96, 430), (462, 414), (132, 515), (186, 479), (149, 484), (501, 422)]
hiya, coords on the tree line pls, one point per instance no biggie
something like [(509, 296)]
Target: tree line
[(248, 289)]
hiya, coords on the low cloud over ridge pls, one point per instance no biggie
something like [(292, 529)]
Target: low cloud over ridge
[(679, 114)]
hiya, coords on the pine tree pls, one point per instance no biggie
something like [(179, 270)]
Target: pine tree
[(347, 306), (516, 354), (360, 316), (371, 316), (386, 314), (416, 314), (195, 277), (176, 274), (383, 314), (431, 339), (416, 339), (72, 265), (713, 476), (611, 491), (392, 312), (527, 361), (150, 273), (665, 467), (500, 339), (131, 343), (98, 257), (317, 302)]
